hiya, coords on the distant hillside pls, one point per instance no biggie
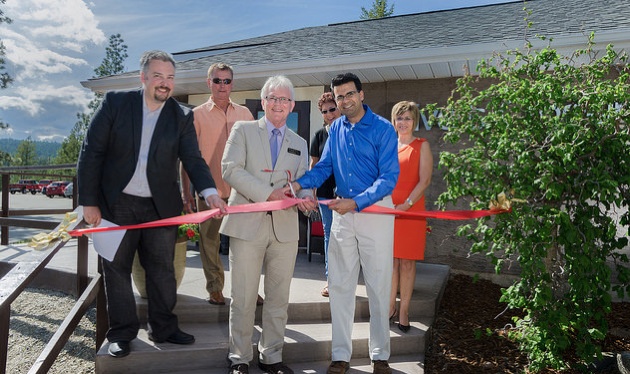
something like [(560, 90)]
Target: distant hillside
[(45, 150)]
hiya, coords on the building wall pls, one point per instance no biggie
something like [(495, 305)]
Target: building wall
[(442, 244)]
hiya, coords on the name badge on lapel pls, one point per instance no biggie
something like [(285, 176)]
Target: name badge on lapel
[(294, 151)]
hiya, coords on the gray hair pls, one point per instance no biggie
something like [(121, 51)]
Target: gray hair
[(149, 56), (221, 66), (275, 82)]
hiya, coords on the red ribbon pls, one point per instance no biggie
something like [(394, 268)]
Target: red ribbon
[(284, 204)]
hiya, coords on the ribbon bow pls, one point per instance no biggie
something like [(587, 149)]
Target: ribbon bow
[(42, 241)]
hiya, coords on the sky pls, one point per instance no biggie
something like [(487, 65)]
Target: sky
[(53, 45)]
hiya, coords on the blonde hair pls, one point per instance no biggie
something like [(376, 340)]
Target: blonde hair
[(406, 106)]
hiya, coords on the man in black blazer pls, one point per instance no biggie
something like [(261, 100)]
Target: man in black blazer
[(127, 174)]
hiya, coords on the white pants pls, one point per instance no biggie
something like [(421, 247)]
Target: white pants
[(360, 240)]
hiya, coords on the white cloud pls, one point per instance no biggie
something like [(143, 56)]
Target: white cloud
[(33, 62), (33, 100), (49, 44), (66, 19), (20, 103), (47, 37), (8, 132)]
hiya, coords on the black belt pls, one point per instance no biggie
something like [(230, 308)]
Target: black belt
[(139, 198)]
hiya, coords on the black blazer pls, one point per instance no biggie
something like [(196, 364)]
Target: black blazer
[(111, 147)]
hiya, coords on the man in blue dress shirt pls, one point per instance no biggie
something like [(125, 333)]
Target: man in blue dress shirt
[(362, 153)]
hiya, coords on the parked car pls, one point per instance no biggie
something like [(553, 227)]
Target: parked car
[(67, 192), (56, 189), (24, 186), (43, 184)]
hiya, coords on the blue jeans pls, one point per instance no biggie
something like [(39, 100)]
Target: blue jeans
[(326, 214)]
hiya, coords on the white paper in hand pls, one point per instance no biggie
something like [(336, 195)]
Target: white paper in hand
[(106, 243)]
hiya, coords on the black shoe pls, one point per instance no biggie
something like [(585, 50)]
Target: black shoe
[(277, 368), (403, 328), (118, 349), (178, 337), (239, 369)]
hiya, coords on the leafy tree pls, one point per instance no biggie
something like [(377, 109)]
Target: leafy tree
[(5, 78), (5, 159), (553, 131), (379, 9), (25, 154), (115, 55), (113, 63)]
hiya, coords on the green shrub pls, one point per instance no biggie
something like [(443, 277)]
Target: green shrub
[(553, 131)]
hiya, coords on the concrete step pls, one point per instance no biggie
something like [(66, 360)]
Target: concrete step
[(305, 303), (193, 309), (402, 364), (304, 343), (308, 333)]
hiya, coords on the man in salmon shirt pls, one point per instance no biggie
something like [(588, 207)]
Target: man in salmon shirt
[(213, 122)]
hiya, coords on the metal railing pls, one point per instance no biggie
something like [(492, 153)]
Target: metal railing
[(21, 275), (6, 213)]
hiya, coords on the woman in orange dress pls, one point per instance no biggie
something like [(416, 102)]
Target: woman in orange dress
[(416, 168)]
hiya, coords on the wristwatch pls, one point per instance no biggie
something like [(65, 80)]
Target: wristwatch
[(408, 201)]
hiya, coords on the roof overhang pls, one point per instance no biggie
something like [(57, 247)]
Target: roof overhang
[(411, 64)]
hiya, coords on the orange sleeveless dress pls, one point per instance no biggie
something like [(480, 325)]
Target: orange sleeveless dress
[(409, 233)]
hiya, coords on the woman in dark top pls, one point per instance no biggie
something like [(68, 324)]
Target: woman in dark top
[(328, 107)]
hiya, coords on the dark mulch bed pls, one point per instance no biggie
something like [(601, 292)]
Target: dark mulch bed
[(461, 344)]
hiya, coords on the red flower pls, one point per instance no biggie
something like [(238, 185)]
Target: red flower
[(190, 233)]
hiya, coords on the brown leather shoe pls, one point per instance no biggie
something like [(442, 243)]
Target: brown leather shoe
[(260, 301), (338, 367), (216, 298), (381, 367)]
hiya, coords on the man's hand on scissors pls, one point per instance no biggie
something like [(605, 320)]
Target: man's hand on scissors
[(278, 194), (307, 205), (290, 189)]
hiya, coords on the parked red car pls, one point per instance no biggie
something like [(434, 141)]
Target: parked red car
[(24, 186), (43, 184), (56, 189)]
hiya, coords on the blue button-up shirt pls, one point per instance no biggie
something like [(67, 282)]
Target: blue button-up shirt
[(363, 158)]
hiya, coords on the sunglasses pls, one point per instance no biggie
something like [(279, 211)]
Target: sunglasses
[(331, 110), (225, 81)]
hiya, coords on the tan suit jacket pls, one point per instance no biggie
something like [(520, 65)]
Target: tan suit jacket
[(245, 167)]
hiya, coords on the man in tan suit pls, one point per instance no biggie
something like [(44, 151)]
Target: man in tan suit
[(257, 157)]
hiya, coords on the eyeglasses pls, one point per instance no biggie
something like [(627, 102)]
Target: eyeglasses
[(225, 81), (349, 95), (400, 119), (331, 110), (281, 100)]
